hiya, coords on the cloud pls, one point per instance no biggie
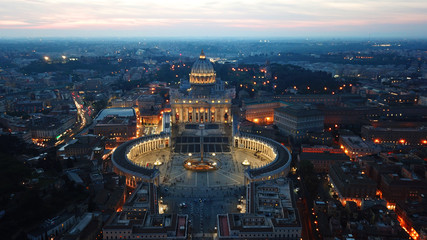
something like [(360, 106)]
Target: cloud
[(12, 23), (185, 15)]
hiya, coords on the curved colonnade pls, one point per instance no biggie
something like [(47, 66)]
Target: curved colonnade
[(123, 156), (125, 153), (279, 155)]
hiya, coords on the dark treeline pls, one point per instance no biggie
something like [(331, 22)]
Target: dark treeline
[(306, 81), (99, 64)]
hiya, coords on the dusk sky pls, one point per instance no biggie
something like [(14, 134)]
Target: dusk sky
[(230, 18)]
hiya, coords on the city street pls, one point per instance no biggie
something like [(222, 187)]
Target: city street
[(202, 205)]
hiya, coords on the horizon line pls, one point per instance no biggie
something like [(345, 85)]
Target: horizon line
[(197, 38)]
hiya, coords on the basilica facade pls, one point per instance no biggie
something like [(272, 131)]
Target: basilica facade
[(208, 100)]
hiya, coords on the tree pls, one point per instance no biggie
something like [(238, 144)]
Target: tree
[(99, 105)]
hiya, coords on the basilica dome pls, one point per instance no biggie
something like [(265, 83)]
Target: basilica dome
[(202, 72)]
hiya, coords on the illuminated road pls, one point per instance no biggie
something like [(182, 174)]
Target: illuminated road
[(82, 112), (83, 118)]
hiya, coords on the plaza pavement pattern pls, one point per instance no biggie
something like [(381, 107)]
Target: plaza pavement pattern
[(205, 194)]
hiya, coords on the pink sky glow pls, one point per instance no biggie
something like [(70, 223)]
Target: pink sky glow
[(279, 18)]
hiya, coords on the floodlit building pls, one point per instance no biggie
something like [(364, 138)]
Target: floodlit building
[(412, 215), (47, 128), (396, 136), (261, 112), (350, 183), (355, 147), (207, 100)]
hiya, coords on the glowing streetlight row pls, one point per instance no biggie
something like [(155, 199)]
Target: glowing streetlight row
[(47, 58)]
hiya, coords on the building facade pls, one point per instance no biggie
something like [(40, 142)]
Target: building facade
[(261, 112), (322, 161), (350, 183), (48, 128), (271, 213), (143, 225), (297, 120), (403, 136), (355, 147), (207, 100)]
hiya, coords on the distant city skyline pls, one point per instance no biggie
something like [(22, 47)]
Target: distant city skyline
[(232, 18)]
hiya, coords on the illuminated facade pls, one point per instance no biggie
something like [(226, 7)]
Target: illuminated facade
[(279, 156), (411, 216), (402, 136), (124, 155), (50, 128), (350, 184), (354, 147), (207, 100), (261, 112)]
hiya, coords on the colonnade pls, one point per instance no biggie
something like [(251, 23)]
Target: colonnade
[(201, 114), (123, 159), (256, 145), (147, 144), (132, 181), (279, 157)]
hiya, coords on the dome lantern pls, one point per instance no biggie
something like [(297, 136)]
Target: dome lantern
[(202, 55)]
